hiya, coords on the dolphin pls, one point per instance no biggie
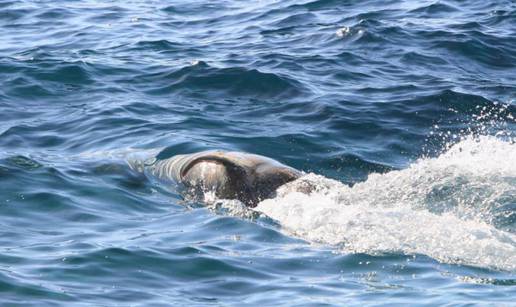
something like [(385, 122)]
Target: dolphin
[(247, 177)]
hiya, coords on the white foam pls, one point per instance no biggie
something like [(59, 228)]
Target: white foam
[(446, 207), (342, 32)]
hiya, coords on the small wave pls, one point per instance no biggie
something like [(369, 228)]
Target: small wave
[(450, 208), (463, 103), (435, 9), (33, 75), (159, 45), (479, 51), (67, 73), (55, 13), (22, 284), (185, 265), (32, 135), (14, 14), (235, 81), (320, 4), (110, 14), (296, 20)]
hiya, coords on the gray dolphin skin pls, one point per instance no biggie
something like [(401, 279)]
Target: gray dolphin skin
[(247, 177)]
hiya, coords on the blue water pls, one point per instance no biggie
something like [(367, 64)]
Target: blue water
[(402, 112)]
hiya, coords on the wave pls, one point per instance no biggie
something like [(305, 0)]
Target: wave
[(235, 81), (456, 208), (479, 51), (434, 9)]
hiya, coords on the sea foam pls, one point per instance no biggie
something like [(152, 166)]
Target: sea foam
[(454, 208)]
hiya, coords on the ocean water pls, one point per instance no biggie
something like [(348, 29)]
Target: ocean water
[(401, 113)]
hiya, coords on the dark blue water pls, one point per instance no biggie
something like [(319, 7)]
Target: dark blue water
[(402, 112)]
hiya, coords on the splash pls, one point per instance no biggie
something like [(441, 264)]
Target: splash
[(455, 208)]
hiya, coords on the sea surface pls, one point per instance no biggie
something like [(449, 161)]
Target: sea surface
[(402, 113)]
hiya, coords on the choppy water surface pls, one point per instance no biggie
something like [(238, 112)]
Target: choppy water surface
[(402, 114)]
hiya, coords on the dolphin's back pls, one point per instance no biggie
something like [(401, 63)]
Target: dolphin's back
[(232, 175)]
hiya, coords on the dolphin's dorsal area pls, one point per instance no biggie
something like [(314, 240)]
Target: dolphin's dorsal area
[(230, 174)]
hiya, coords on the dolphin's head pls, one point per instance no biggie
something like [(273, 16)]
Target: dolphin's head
[(269, 178)]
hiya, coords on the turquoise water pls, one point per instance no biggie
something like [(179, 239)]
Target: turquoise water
[(402, 113)]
